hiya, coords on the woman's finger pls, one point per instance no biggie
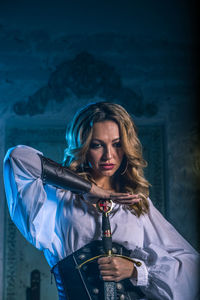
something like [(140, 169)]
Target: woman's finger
[(104, 260), (104, 267), (110, 278), (115, 196), (128, 202), (124, 196)]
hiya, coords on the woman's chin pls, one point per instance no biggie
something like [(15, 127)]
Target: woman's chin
[(103, 173), (108, 173)]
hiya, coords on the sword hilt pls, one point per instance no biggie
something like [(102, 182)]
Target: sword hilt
[(105, 206), (106, 234)]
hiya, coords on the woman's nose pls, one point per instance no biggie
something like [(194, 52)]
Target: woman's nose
[(107, 153)]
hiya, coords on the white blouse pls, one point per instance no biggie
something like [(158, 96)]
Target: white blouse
[(59, 222)]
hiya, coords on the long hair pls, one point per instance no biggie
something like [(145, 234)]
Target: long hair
[(129, 177)]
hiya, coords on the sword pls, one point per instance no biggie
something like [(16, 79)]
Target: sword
[(105, 207)]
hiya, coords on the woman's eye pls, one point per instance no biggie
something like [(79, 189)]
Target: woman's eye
[(95, 145), (117, 145)]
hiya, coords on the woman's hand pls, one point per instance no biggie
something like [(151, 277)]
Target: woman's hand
[(116, 268), (97, 193)]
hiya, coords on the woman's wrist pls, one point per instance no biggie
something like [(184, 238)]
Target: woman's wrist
[(92, 190)]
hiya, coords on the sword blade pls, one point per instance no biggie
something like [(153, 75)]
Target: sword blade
[(110, 292)]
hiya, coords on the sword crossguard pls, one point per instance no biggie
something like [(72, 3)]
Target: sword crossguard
[(104, 205), (137, 263)]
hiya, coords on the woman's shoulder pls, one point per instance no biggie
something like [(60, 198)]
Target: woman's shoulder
[(21, 151), (23, 158)]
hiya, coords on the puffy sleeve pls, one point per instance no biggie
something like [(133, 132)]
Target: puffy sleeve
[(172, 263), (32, 205)]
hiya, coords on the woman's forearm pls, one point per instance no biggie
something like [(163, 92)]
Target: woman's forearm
[(62, 177)]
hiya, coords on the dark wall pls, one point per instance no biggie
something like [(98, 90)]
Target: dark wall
[(56, 56)]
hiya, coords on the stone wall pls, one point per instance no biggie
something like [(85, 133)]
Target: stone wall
[(48, 76)]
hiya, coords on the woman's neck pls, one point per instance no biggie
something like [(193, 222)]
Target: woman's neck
[(104, 183)]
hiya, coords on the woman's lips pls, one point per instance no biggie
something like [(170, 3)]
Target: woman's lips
[(107, 166)]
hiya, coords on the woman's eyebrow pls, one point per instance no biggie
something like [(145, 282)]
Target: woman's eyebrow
[(99, 140)]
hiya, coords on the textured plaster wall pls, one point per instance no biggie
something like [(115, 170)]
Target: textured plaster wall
[(48, 74)]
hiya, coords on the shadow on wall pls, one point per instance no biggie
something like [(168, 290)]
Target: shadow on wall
[(85, 77)]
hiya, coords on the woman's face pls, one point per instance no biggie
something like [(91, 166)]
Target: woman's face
[(105, 153)]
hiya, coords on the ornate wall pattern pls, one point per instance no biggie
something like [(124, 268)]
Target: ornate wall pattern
[(85, 77)]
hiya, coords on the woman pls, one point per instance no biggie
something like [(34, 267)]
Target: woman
[(55, 208)]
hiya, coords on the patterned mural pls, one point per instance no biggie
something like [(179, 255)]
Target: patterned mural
[(85, 77)]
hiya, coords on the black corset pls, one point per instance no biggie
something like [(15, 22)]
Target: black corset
[(85, 283)]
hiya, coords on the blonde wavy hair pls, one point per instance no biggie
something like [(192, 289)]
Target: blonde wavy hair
[(130, 176)]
